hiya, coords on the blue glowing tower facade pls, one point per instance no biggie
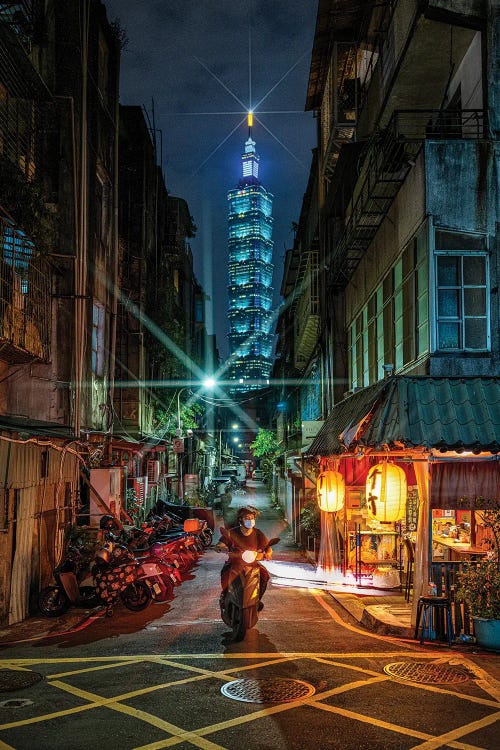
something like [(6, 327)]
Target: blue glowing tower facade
[(250, 276)]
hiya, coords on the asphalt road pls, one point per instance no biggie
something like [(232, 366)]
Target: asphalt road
[(153, 680)]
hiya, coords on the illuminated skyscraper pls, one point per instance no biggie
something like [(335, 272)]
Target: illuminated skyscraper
[(250, 275)]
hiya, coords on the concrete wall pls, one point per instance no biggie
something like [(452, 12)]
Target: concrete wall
[(463, 193), (462, 184)]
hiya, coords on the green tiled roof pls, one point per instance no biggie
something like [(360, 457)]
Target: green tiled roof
[(409, 411)]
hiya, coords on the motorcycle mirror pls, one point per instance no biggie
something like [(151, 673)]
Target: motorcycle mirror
[(274, 541)]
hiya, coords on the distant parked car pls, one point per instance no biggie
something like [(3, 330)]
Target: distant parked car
[(257, 474)]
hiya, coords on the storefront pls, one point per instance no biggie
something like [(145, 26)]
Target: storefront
[(443, 438)]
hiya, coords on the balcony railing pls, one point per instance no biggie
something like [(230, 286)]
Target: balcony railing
[(439, 124), (388, 158), (24, 298)]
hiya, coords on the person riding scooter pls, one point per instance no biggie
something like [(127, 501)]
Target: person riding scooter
[(244, 536)]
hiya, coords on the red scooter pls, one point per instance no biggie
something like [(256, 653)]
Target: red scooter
[(239, 601)]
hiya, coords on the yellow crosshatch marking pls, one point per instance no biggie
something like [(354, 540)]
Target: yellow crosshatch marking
[(224, 671)]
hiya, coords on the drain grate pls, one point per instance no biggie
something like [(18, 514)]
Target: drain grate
[(274, 690), (433, 674), (11, 679), (16, 703)]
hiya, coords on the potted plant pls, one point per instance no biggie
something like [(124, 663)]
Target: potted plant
[(479, 587)]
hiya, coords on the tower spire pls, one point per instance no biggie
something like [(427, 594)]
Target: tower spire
[(250, 160)]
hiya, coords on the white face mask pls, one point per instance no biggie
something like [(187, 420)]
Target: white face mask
[(249, 523)]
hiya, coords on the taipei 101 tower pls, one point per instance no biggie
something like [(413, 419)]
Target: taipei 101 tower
[(250, 225)]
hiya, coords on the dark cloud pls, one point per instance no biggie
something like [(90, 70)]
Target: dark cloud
[(169, 42)]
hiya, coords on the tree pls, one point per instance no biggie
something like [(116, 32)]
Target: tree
[(265, 445)]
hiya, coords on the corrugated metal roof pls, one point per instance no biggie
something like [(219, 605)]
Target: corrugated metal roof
[(344, 415), (443, 413)]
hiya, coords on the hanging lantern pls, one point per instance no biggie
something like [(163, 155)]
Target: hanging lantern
[(331, 491), (386, 492)]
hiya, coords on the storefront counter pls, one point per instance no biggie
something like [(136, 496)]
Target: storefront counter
[(458, 550)]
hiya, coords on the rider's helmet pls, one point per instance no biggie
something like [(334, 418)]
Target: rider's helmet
[(247, 510)]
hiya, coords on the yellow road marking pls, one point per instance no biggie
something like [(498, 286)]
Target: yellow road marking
[(333, 663), (320, 599), (96, 704), (485, 681), (4, 746), (223, 674), (180, 735), (387, 725), (243, 656), (449, 737), (263, 713), (90, 669), (113, 704), (197, 737)]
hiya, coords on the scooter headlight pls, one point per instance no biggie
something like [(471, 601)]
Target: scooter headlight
[(249, 556)]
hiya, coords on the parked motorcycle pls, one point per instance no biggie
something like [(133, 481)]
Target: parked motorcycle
[(117, 575), (159, 573), (74, 586), (178, 547), (239, 601)]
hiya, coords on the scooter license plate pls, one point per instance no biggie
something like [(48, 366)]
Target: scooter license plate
[(157, 588), (172, 578), (150, 569)]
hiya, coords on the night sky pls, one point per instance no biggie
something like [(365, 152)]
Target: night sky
[(169, 43)]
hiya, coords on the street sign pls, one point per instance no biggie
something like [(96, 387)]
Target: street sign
[(178, 445)]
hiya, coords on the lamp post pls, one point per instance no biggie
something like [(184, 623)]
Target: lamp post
[(180, 449)]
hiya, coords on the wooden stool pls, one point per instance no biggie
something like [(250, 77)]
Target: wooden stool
[(427, 606)]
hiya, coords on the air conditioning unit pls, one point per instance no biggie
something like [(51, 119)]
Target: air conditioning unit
[(105, 485), (153, 471)]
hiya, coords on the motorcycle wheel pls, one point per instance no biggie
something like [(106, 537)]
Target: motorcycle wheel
[(52, 601), (206, 538), (136, 596), (167, 591)]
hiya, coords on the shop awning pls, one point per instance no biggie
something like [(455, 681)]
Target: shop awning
[(447, 414)]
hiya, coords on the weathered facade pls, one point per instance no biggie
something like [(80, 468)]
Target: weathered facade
[(58, 125), (161, 334), (405, 237), (81, 299)]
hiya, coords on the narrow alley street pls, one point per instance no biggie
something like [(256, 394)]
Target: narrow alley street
[(153, 680)]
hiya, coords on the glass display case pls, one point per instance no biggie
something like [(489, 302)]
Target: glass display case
[(374, 557)]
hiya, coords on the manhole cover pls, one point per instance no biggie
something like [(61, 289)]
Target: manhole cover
[(11, 679), (16, 703), (277, 690), (416, 671)]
